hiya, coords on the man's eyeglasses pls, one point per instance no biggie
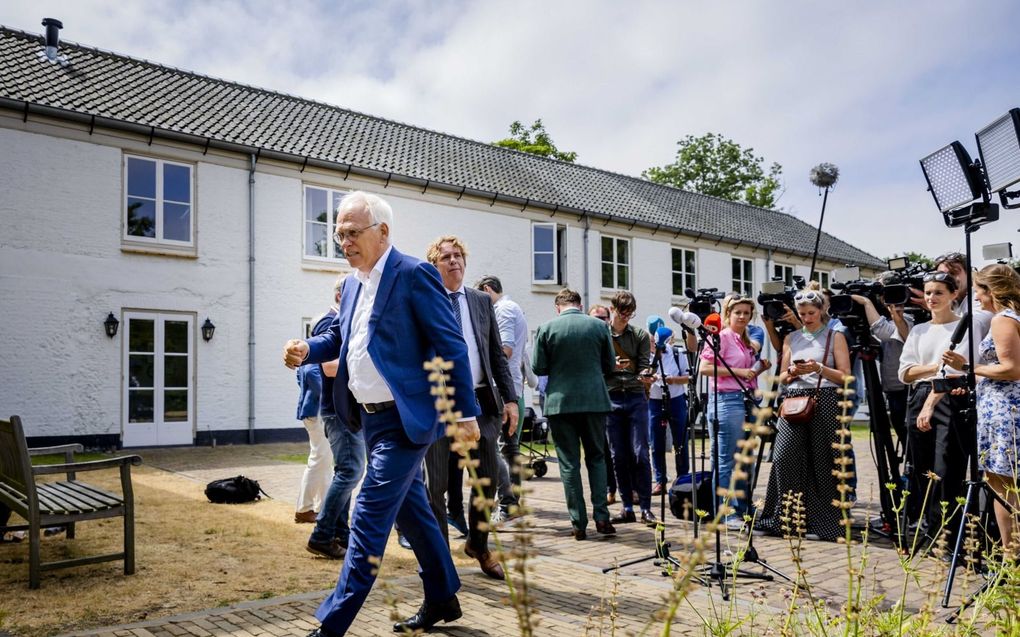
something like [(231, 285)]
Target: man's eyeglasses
[(809, 296), (940, 277), (353, 234), (625, 313)]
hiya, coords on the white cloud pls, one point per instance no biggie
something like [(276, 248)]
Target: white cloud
[(871, 87)]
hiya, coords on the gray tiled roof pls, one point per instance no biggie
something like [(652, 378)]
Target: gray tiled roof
[(169, 101)]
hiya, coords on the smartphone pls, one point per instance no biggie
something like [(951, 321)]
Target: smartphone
[(799, 361)]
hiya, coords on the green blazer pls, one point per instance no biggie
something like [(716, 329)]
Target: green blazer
[(575, 351)]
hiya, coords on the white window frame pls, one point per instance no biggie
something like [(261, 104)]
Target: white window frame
[(747, 267), (330, 257), (824, 278), (616, 263), (683, 269), (555, 253), (159, 201), (307, 325), (783, 272)]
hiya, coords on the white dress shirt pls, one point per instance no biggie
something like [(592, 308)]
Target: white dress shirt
[(474, 357), (366, 383)]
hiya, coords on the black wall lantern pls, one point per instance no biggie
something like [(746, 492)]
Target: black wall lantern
[(111, 324), (207, 329)]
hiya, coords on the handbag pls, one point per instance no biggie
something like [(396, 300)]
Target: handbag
[(798, 410)]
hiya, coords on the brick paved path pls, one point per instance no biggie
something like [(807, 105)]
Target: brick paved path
[(566, 579)]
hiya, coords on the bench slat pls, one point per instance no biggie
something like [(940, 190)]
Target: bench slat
[(59, 490), (95, 493), (47, 504)]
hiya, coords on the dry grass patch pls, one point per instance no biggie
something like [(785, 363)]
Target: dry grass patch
[(191, 555)]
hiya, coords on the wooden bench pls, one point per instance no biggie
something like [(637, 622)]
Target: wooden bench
[(63, 503)]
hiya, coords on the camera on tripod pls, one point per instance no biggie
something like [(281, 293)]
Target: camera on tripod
[(776, 298), (703, 302), (906, 276)]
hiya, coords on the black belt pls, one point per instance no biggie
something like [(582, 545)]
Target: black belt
[(374, 408)]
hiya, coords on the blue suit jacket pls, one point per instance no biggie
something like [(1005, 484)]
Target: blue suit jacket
[(411, 322)]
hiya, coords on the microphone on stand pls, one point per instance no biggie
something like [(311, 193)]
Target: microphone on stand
[(713, 323), (661, 336), (689, 321)]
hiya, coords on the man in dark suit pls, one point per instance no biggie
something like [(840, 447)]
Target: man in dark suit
[(494, 391), (393, 317), (575, 351)]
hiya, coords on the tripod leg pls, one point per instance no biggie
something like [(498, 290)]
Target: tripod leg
[(958, 545)]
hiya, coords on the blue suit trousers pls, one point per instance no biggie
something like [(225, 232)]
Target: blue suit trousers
[(393, 491)]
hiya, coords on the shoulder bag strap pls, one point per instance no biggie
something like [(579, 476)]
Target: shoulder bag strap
[(825, 355)]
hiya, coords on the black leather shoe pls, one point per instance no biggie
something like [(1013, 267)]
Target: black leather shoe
[(605, 527), (323, 632), (332, 550), (648, 518), (625, 517), (429, 615), (579, 534), (402, 541)]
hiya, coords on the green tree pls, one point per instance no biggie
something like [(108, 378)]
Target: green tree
[(534, 140), (716, 166)]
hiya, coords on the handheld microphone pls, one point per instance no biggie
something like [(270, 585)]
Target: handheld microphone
[(713, 323), (661, 336), (958, 333)]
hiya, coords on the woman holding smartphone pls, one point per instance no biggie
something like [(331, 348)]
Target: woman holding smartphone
[(937, 434), (815, 361)]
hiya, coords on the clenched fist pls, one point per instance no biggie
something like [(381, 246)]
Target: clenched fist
[(294, 353)]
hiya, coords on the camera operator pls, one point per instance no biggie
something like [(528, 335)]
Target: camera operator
[(891, 333), (672, 374), (775, 338), (937, 434)]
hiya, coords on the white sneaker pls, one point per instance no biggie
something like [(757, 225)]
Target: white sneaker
[(734, 523), (811, 536)]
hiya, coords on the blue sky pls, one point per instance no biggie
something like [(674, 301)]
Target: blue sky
[(869, 86)]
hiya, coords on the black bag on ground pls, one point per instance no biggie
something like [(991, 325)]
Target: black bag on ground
[(236, 490), (681, 504)]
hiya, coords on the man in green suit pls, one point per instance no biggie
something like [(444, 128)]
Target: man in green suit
[(576, 352)]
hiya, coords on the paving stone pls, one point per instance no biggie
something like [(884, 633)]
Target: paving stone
[(567, 586)]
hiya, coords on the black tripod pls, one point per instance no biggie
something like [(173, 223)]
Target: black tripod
[(661, 556), (716, 571), (887, 461)]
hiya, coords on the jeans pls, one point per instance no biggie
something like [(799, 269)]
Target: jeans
[(348, 466), (509, 466), (657, 434), (731, 430), (628, 442)]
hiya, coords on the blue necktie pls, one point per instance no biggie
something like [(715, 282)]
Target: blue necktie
[(455, 300)]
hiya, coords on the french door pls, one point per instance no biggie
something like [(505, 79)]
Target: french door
[(158, 379)]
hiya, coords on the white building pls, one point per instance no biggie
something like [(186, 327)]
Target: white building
[(165, 198)]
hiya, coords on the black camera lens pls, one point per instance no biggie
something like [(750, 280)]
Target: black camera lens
[(897, 294), (840, 304)]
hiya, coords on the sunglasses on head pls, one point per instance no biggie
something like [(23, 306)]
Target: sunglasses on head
[(940, 277), (809, 296)]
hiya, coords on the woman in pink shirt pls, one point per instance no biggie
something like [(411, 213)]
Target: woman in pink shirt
[(736, 371)]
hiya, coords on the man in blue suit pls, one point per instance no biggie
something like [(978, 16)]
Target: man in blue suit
[(394, 316)]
